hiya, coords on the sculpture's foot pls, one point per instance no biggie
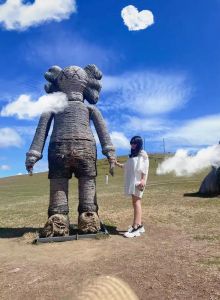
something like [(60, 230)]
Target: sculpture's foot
[(57, 225), (88, 222)]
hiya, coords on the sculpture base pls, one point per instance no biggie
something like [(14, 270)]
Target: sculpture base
[(74, 235)]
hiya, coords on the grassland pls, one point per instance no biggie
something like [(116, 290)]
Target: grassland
[(24, 200)]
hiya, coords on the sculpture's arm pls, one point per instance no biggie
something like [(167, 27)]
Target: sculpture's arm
[(35, 152), (107, 147)]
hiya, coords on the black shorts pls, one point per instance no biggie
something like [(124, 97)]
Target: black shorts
[(78, 157)]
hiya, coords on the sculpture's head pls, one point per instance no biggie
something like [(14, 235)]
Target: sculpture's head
[(75, 82)]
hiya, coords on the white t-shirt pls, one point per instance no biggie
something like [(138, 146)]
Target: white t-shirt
[(133, 169)]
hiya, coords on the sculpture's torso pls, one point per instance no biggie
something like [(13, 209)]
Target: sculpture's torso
[(72, 124)]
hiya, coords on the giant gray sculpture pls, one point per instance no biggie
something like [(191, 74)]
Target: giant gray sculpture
[(72, 147)]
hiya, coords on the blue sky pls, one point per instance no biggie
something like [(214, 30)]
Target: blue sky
[(160, 82)]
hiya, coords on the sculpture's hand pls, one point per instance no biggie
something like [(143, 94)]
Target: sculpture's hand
[(111, 160), (29, 163), (109, 152), (31, 159)]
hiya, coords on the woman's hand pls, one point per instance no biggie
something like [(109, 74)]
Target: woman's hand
[(118, 164), (141, 185)]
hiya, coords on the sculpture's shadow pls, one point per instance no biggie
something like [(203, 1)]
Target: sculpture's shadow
[(112, 230), (199, 195), (7, 232)]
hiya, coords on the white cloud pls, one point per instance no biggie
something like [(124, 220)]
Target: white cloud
[(119, 140), (15, 15), (5, 167), (197, 132), (146, 93), (183, 164), (27, 131), (136, 20), (25, 108), (9, 138), (138, 103), (146, 124)]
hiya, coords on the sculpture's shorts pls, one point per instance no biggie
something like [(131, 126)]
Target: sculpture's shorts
[(78, 157)]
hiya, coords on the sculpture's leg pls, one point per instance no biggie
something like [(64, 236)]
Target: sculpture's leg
[(87, 194), (58, 222), (58, 197), (88, 218)]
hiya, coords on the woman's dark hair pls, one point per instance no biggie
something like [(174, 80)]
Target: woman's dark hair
[(139, 142)]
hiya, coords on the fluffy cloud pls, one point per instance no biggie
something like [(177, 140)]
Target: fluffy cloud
[(183, 164), (9, 137), (15, 15), (142, 100), (136, 124), (119, 140), (146, 93), (136, 20), (197, 132), (25, 108), (192, 135)]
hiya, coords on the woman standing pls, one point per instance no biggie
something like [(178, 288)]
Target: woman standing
[(135, 177)]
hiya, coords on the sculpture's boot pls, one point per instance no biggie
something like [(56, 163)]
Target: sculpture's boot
[(56, 225), (88, 221), (58, 221)]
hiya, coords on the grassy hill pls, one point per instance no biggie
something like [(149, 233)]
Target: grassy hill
[(24, 199)]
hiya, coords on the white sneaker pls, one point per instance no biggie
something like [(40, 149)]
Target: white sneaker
[(140, 227), (132, 233)]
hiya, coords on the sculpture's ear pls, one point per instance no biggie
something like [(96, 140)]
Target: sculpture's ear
[(51, 76), (91, 95), (93, 88), (51, 88), (93, 72)]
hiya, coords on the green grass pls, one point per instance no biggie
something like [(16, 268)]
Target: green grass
[(24, 200), (211, 262), (207, 237)]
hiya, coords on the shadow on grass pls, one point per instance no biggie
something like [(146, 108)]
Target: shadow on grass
[(19, 232), (196, 194), (112, 230), (16, 232)]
